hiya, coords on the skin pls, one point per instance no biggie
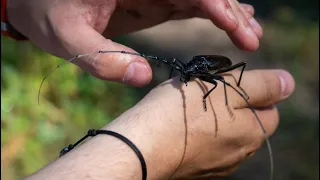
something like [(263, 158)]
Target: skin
[(67, 28), (177, 138)]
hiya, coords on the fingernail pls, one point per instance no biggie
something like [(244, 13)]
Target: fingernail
[(231, 16), (252, 34), (254, 24), (137, 73), (249, 8), (283, 85), (287, 82)]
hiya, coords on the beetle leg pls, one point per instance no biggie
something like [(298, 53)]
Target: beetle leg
[(242, 90), (235, 66), (158, 64), (212, 81), (171, 71), (221, 78)]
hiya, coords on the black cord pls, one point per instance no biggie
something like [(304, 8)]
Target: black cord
[(93, 132)]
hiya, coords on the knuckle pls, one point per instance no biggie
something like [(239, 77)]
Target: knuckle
[(94, 65), (268, 96), (255, 141), (256, 144), (256, 137), (271, 86)]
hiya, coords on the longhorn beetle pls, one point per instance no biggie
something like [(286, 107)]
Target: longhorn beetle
[(207, 68)]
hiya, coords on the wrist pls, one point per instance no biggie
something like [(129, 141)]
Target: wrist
[(103, 157), (165, 129), (145, 125), (157, 128)]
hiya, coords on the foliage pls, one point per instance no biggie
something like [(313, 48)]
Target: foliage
[(71, 102)]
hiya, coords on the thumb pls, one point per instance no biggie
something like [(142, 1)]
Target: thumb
[(126, 68)]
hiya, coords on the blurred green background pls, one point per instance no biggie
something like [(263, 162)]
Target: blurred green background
[(73, 101)]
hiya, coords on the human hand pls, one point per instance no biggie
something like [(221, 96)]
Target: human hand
[(177, 138), (172, 112), (67, 28)]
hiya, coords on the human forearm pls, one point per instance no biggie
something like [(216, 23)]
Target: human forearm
[(176, 136), (106, 157), (146, 125)]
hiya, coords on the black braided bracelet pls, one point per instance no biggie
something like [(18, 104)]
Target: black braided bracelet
[(93, 132)]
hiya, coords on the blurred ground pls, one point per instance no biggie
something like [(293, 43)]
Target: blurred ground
[(73, 101)]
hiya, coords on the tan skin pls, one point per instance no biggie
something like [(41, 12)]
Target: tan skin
[(67, 28), (176, 137)]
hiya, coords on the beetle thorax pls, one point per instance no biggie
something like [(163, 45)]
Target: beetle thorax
[(198, 67)]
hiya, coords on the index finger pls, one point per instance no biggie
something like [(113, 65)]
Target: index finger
[(220, 13), (264, 87)]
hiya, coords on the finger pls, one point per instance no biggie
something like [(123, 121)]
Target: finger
[(264, 87), (220, 13), (248, 11), (130, 69), (245, 121), (253, 23), (243, 37), (196, 12), (269, 118), (248, 8), (186, 14)]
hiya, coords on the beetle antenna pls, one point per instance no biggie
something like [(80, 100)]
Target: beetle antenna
[(70, 60), (178, 66), (263, 129)]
